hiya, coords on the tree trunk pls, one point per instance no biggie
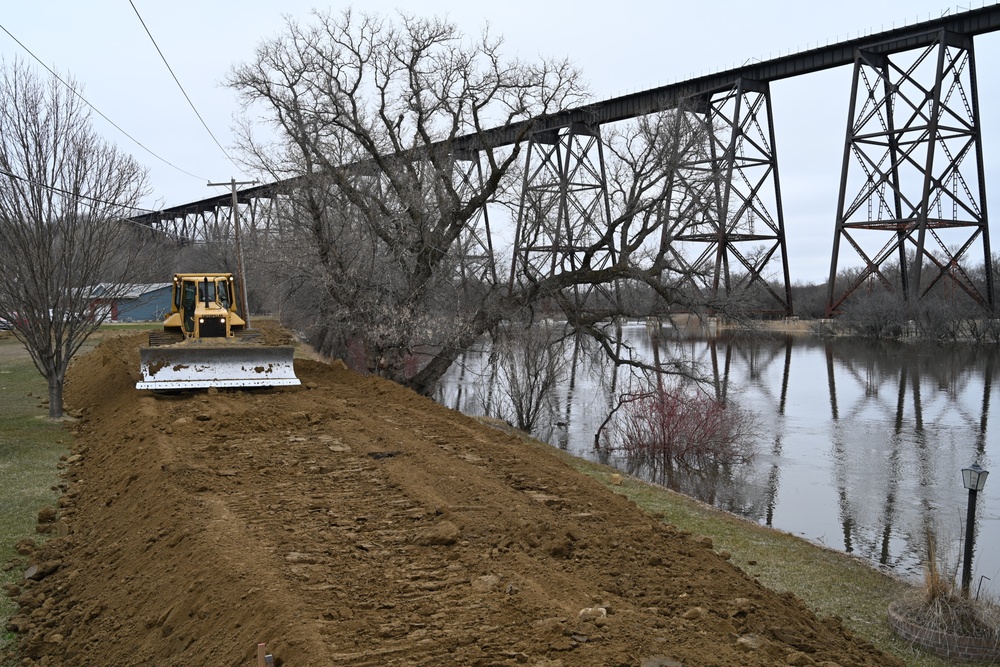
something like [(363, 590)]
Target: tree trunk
[(55, 396)]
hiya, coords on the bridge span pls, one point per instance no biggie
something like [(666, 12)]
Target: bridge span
[(912, 192)]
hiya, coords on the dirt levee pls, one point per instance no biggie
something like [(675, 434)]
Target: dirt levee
[(352, 522)]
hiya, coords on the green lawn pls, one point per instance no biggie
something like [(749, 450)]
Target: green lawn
[(30, 447)]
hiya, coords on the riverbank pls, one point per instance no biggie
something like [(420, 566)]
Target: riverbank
[(697, 326), (830, 583)]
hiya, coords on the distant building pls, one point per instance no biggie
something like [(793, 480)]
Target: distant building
[(139, 303)]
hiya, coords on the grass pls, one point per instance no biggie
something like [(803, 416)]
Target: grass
[(30, 447), (938, 603)]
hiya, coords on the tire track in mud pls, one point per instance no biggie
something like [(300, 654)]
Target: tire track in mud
[(365, 542)]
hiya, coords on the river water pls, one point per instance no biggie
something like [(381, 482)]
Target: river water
[(859, 444)]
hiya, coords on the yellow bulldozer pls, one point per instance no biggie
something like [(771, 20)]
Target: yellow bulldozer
[(205, 343)]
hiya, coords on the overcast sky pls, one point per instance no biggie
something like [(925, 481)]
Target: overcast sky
[(620, 46)]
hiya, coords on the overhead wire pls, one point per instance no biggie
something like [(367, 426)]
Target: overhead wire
[(67, 193), (63, 191), (149, 227), (96, 110), (96, 200), (177, 81)]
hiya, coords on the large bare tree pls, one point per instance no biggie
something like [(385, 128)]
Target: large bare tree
[(64, 246), (369, 115)]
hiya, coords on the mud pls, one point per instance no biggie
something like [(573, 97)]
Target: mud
[(352, 522)]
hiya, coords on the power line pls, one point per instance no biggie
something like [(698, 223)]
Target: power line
[(177, 81), (98, 111), (67, 193), (63, 191)]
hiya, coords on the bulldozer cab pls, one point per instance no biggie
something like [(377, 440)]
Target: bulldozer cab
[(204, 305), (209, 290)]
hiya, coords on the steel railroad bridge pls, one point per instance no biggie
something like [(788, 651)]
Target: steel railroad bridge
[(912, 170)]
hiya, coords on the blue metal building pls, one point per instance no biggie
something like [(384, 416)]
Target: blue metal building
[(140, 303)]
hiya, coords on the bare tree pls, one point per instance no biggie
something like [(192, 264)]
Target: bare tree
[(528, 364), (63, 243), (370, 115)]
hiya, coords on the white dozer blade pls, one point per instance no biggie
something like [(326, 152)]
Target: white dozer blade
[(199, 367)]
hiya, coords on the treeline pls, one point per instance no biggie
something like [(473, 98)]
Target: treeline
[(945, 313)]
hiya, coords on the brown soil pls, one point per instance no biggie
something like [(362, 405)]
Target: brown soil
[(352, 522)]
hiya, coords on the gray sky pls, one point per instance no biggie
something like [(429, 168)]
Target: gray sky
[(620, 46)]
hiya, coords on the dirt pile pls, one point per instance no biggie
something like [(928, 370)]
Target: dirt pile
[(352, 522)]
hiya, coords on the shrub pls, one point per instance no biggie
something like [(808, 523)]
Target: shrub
[(678, 422), (878, 314)]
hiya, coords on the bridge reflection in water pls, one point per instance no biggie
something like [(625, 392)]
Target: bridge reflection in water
[(860, 444)]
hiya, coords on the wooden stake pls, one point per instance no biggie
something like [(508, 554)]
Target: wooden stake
[(260, 654)]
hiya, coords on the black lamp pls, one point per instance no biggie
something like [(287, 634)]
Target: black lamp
[(974, 479)]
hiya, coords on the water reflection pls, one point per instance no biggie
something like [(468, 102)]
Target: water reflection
[(860, 444)]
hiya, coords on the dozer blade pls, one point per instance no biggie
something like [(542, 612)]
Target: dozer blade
[(198, 367)]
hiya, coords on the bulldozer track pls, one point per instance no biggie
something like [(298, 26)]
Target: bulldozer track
[(159, 338)]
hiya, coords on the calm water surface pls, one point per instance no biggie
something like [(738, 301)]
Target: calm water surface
[(860, 444)]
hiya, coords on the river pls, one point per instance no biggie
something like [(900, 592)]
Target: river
[(859, 445)]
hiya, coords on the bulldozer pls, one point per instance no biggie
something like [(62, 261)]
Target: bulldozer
[(205, 343)]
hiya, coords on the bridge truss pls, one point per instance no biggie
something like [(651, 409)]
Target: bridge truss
[(912, 200)]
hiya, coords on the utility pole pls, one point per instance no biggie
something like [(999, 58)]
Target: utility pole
[(241, 275)]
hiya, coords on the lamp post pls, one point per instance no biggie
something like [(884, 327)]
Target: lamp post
[(974, 479)]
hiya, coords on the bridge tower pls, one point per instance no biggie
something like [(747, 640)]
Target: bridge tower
[(912, 202), (564, 211), (742, 230), (475, 256)]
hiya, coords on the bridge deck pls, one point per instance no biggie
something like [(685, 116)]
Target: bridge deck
[(964, 25)]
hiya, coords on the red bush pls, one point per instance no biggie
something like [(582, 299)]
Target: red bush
[(685, 425)]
